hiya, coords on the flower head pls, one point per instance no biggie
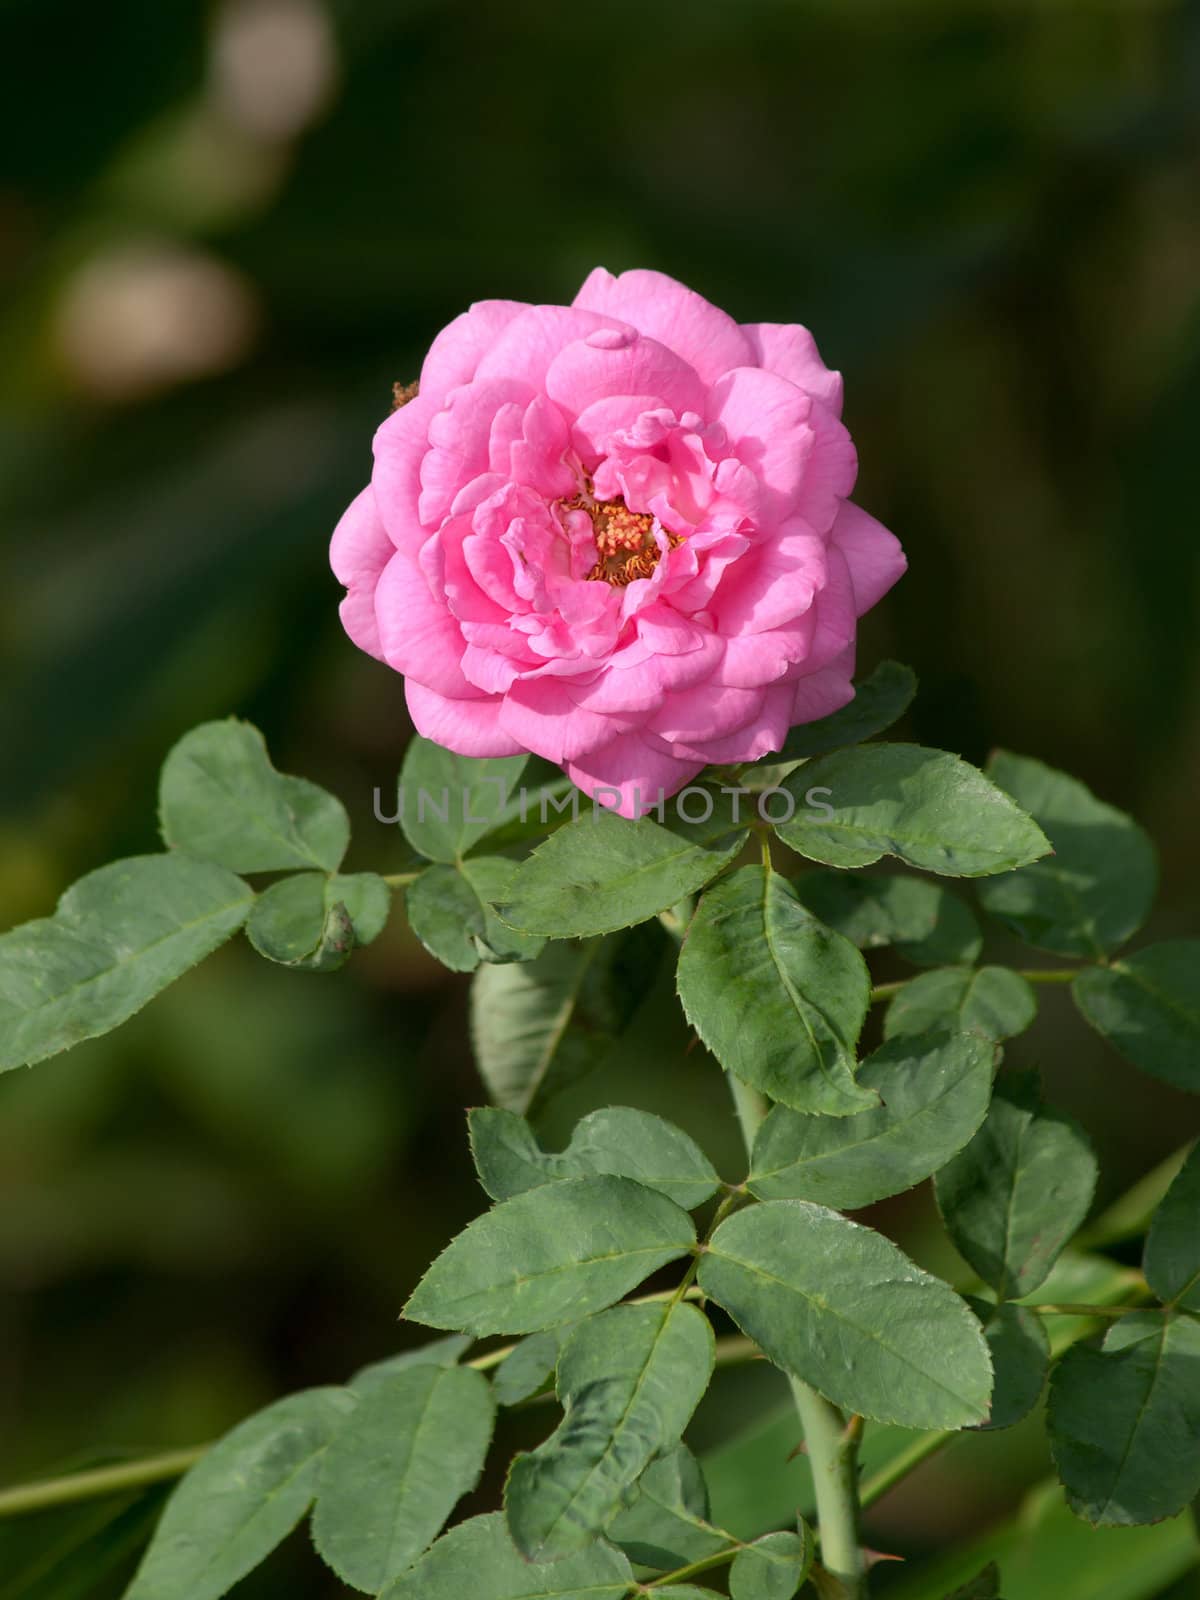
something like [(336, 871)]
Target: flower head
[(616, 534)]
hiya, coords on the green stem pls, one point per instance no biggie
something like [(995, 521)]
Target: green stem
[(832, 1445), (398, 880), (692, 1570), (98, 1482), (885, 991), (830, 1439), (898, 1468), (1059, 1310)]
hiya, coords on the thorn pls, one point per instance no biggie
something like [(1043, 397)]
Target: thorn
[(874, 1557), (800, 1450)]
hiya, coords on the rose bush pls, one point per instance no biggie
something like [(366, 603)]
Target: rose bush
[(616, 534)]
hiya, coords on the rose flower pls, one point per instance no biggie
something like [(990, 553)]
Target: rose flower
[(616, 534)]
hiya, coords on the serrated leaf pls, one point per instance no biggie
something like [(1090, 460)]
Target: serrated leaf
[(480, 1560), (118, 936), (1019, 1191), (1172, 1259), (879, 700), (551, 1255), (1148, 1007), (313, 920), (539, 1026), (924, 806), (776, 996), (451, 909), (241, 1499), (396, 1468), (437, 1353), (220, 798), (629, 1381), (448, 802), (666, 1524), (604, 872), (1020, 1351), (994, 1002), (927, 923), (1124, 1420), (933, 1095), (772, 1568), (615, 1139), (529, 1366), (1097, 888), (841, 1307)]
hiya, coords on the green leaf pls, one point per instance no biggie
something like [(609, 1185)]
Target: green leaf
[(933, 1095), (118, 936), (879, 700), (529, 1366), (629, 1381), (543, 1024), (1020, 1350), (221, 799), (1018, 1192), (1172, 1260), (1097, 888), (776, 996), (551, 1255), (841, 1307), (451, 910), (313, 920), (604, 872), (396, 1468), (684, 1591), (924, 806), (241, 1499), (994, 1002), (627, 1143), (448, 803), (666, 1524), (437, 1353), (479, 1560), (772, 1568), (928, 924), (1148, 1007), (1124, 1420)]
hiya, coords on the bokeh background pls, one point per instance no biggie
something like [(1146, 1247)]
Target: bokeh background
[(224, 232)]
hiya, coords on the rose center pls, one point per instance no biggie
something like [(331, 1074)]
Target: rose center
[(625, 544)]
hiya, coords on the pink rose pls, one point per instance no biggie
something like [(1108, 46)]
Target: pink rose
[(615, 533)]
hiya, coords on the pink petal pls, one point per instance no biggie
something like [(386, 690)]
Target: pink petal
[(596, 423), (459, 438), (468, 727), (530, 342), (765, 732), (821, 693), (791, 351), (590, 370), (705, 712), (773, 583), (358, 553), (873, 554), (459, 348), (640, 773), (400, 445), (541, 716), (673, 314), (767, 420), (417, 634)]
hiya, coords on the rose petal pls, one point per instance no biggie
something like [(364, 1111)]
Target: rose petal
[(468, 727), (873, 554), (458, 349), (585, 372), (640, 773), (790, 350), (706, 337), (358, 553)]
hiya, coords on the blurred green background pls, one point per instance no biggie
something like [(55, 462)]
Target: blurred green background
[(224, 232)]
